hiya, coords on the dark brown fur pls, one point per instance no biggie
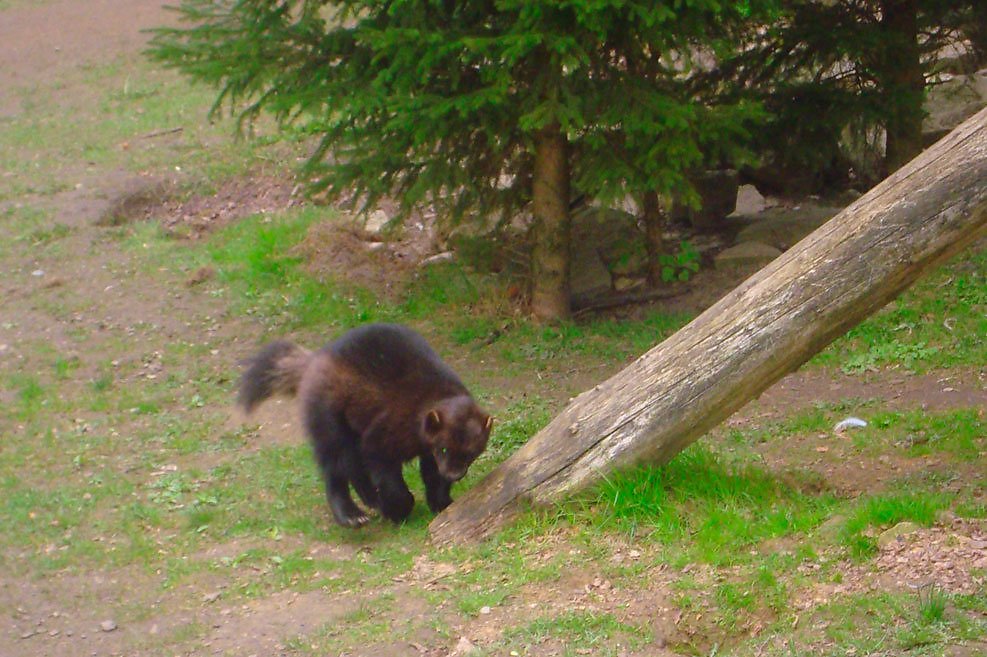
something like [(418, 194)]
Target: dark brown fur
[(373, 399)]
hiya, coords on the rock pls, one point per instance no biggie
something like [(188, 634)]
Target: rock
[(445, 256), (749, 201), (746, 254), (831, 528), (629, 205), (108, 625), (200, 276), (484, 610), (845, 197), (211, 597), (952, 102), (783, 227), (463, 647), (625, 283), (376, 222), (889, 536)]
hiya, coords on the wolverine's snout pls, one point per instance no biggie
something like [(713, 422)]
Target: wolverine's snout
[(454, 474)]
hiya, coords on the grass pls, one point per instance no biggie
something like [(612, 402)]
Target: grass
[(710, 511), (30, 227), (17, 4), (960, 432), (937, 323), (102, 116), (579, 632), (883, 511), (932, 603)]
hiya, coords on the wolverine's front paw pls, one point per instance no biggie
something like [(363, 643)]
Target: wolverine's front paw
[(439, 502), (354, 520), (397, 508)]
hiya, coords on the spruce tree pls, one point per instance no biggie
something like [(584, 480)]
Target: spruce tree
[(826, 69), (476, 106)]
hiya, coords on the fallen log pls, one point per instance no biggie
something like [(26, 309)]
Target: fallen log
[(767, 327)]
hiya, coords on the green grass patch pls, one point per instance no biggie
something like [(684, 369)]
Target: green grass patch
[(881, 623), (514, 426), (27, 227), (580, 631), (102, 114), (873, 513), (258, 260), (939, 322), (256, 257), (31, 396), (961, 432), (542, 347), (706, 509)]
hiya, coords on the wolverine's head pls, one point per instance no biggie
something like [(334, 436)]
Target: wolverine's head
[(457, 431)]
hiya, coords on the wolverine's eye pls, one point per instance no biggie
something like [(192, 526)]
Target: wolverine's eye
[(443, 451)]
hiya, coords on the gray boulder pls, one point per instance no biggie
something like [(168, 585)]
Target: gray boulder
[(953, 101), (783, 227), (746, 254), (749, 201)]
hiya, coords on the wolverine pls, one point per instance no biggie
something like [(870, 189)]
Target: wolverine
[(373, 399)]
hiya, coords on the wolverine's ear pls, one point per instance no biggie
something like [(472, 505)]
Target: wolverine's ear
[(488, 425), (433, 422)]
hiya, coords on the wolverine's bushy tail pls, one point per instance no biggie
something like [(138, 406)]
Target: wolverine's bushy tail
[(277, 369)]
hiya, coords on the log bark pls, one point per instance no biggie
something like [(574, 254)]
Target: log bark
[(769, 325)]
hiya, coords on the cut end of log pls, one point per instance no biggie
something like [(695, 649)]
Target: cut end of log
[(451, 528)]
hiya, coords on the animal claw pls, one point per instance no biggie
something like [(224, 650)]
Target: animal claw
[(357, 520)]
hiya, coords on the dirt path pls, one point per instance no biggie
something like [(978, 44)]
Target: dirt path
[(38, 41)]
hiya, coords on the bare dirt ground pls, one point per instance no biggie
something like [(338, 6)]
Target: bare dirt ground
[(92, 287), (41, 39)]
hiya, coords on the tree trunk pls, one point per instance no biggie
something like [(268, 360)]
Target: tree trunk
[(550, 232), (653, 225), (768, 326), (903, 81), (976, 32)]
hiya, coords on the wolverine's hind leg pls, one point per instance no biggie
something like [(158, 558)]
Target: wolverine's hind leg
[(357, 474), (334, 445)]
